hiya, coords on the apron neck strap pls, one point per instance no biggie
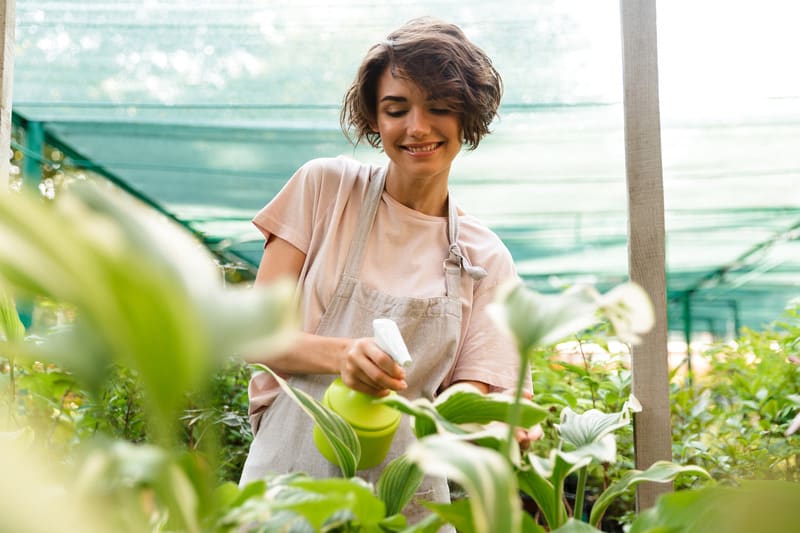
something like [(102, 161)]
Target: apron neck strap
[(452, 265), (365, 220)]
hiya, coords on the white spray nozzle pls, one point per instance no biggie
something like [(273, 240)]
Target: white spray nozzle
[(389, 339)]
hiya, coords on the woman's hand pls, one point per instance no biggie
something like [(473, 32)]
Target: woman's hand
[(365, 367), (526, 436)]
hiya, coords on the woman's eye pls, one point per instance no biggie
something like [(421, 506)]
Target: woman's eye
[(440, 111), (395, 113)]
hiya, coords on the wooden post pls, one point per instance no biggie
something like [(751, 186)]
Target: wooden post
[(7, 74), (646, 249)]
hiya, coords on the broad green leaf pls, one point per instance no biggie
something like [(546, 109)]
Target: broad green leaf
[(147, 293), (367, 508), (660, 472), (430, 524), (463, 403), (575, 526), (427, 420), (603, 450), (398, 484), (176, 489), (537, 319), (393, 523), (530, 526), (11, 326), (340, 435), (583, 429), (543, 493), (229, 496), (563, 465), (753, 506), (458, 514), (314, 509), (484, 474), (225, 494)]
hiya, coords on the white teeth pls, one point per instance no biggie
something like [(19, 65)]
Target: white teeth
[(426, 148)]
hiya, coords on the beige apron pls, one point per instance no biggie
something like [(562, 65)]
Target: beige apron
[(431, 328)]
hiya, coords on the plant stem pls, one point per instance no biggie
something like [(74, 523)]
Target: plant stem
[(580, 491), (588, 372), (514, 413)]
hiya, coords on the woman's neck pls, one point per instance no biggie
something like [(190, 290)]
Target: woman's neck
[(426, 195)]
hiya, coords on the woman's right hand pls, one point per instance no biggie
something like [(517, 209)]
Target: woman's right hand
[(365, 367)]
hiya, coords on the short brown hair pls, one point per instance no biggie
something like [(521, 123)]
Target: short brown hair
[(439, 58)]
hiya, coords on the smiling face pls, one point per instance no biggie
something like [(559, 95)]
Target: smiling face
[(421, 136)]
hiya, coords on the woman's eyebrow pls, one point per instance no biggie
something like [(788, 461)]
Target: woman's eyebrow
[(392, 98)]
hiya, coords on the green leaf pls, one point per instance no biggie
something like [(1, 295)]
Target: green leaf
[(587, 428), (340, 435), (146, 293), (660, 472), (484, 474), (532, 483), (393, 523), (575, 526), (463, 403), (427, 420), (753, 506), (11, 326), (398, 483), (538, 319), (430, 524), (338, 495), (458, 514), (530, 526)]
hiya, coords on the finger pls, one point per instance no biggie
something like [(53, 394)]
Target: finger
[(383, 360), (361, 365)]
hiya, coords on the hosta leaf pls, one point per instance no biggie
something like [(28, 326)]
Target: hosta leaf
[(427, 420), (484, 474), (339, 495), (660, 472), (11, 326), (753, 506), (543, 493), (537, 319), (398, 483), (146, 293), (458, 514), (604, 450), (575, 526), (340, 435), (463, 403), (583, 429)]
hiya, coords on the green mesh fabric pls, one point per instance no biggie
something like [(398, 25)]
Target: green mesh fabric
[(206, 108)]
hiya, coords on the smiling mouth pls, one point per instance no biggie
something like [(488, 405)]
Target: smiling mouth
[(422, 148)]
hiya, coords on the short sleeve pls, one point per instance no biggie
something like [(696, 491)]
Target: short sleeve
[(292, 212), (488, 353)]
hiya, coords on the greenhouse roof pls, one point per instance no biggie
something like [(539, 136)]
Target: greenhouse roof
[(204, 109)]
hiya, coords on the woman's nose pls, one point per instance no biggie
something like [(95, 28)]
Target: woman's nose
[(418, 123)]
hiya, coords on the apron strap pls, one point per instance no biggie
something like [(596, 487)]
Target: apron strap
[(456, 258), (365, 219), (452, 265)]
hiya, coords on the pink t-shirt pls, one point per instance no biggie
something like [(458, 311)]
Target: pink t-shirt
[(316, 212)]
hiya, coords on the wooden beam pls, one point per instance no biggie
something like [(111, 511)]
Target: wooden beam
[(7, 73), (646, 249)]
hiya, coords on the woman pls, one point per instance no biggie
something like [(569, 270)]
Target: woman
[(366, 242)]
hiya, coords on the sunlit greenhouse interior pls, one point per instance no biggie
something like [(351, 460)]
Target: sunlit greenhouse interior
[(202, 110)]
